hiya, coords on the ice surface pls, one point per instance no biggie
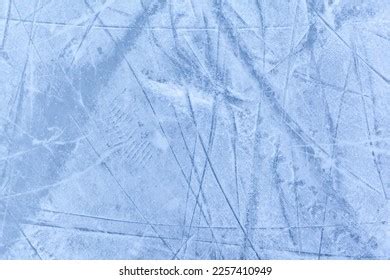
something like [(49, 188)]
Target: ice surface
[(188, 129)]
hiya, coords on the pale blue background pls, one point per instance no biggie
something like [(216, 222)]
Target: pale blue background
[(187, 129)]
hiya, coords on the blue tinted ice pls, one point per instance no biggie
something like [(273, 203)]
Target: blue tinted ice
[(213, 129)]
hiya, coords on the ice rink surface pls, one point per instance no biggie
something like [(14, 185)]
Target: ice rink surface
[(194, 129)]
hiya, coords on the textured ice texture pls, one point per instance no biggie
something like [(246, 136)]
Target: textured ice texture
[(214, 129)]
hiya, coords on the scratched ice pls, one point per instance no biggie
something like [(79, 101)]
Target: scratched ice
[(213, 129)]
